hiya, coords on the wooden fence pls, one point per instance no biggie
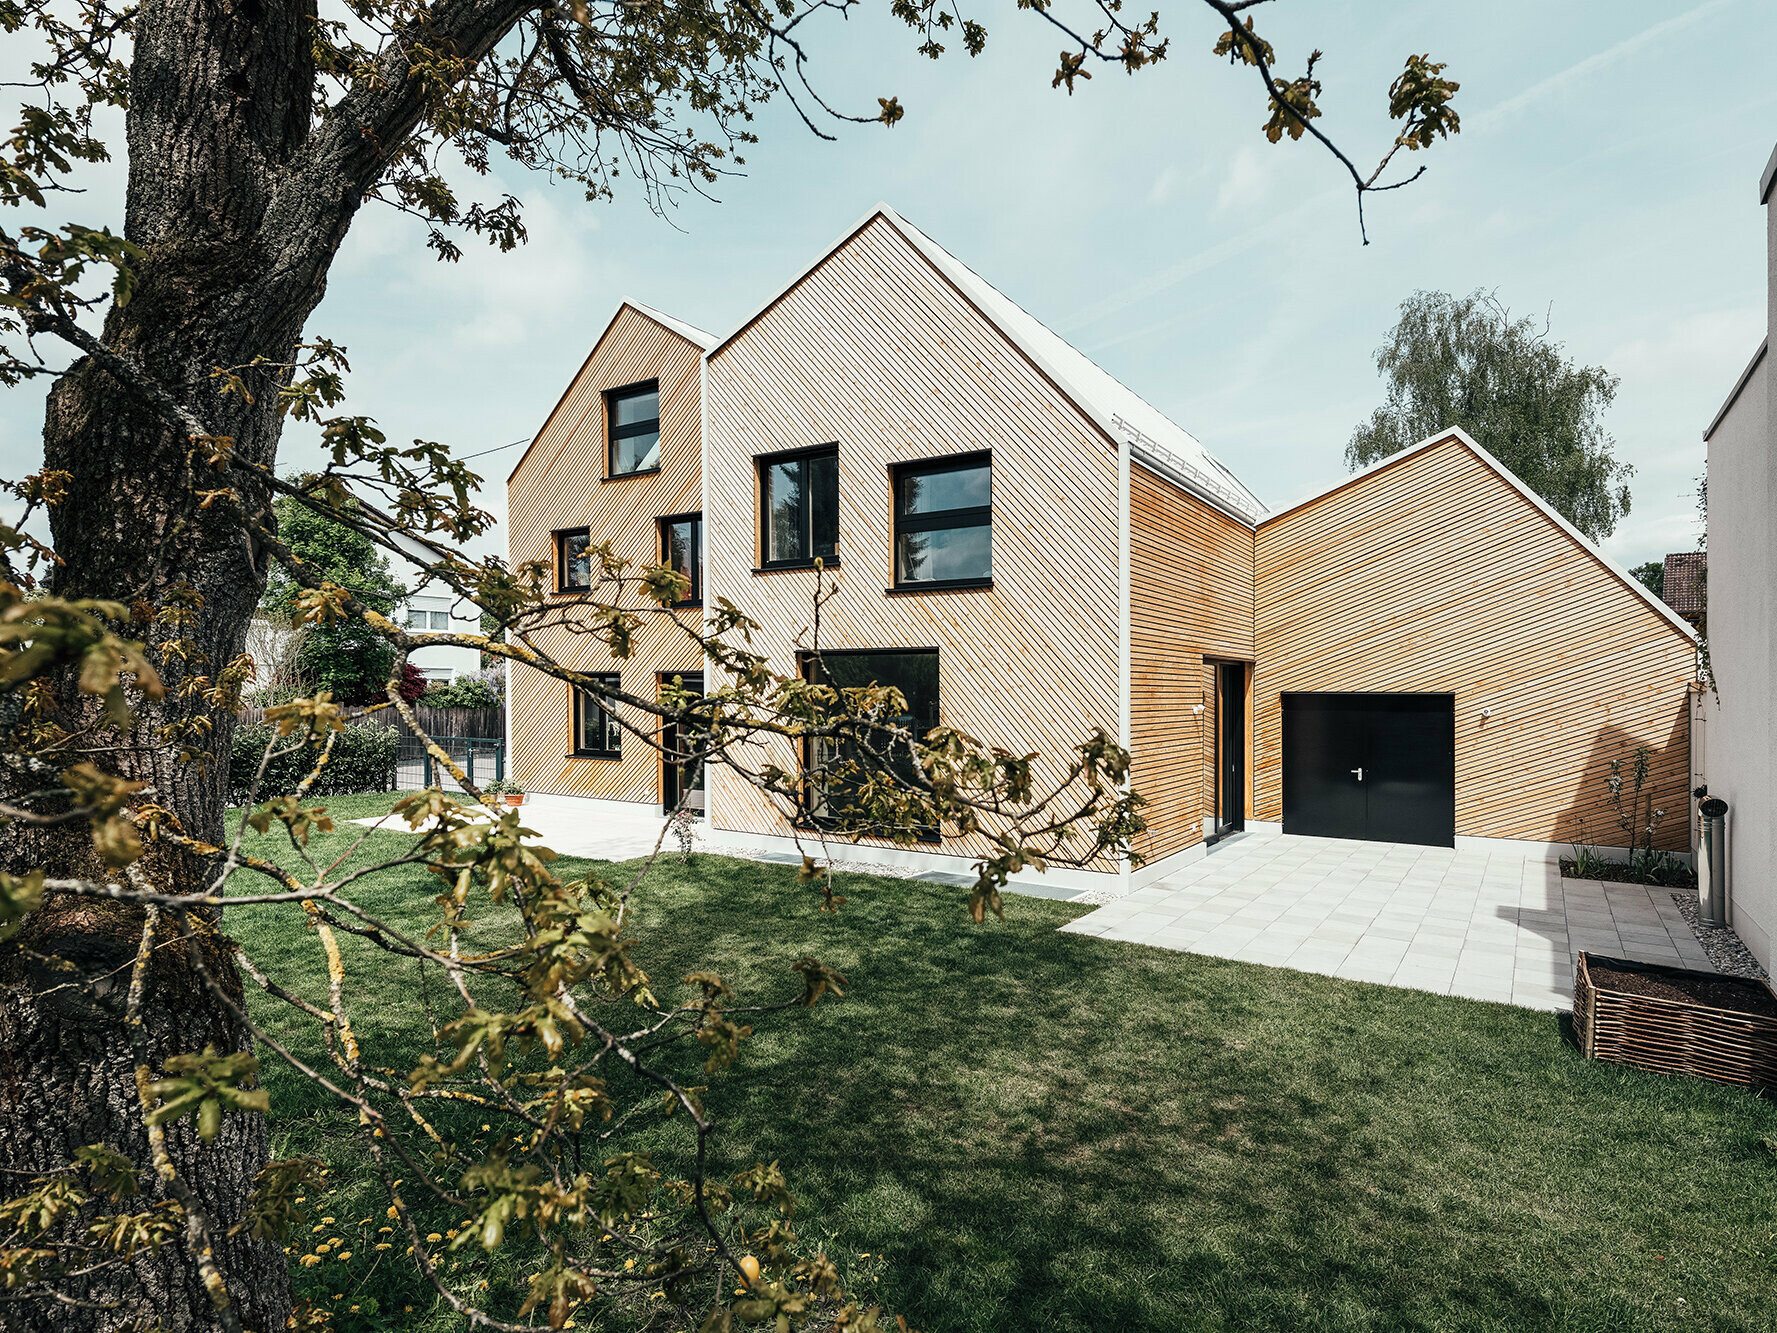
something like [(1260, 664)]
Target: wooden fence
[(479, 723)]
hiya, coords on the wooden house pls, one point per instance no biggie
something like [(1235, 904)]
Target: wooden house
[(1424, 652)]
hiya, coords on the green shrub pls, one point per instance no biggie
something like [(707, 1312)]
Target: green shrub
[(363, 759), (465, 693)]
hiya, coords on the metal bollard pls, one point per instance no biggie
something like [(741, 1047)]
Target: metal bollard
[(1712, 868)]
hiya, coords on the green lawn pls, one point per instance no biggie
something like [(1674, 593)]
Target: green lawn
[(1027, 1130)]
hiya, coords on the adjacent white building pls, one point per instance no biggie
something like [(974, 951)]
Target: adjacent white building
[(1740, 749), (434, 608)]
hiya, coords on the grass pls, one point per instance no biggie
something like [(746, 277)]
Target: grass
[(1027, 1130)]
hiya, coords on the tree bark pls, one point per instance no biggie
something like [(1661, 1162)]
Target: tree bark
[(219, 105)]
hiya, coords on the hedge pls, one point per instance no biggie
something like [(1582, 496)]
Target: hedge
[(363, 759)]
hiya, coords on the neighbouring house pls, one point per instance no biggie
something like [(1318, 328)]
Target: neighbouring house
[(1739, 763), (1424, 652), (1682, 584), (435, 609)]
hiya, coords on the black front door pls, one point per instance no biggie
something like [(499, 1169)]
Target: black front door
[(681, 775), (1230, 747), (1380, 767)]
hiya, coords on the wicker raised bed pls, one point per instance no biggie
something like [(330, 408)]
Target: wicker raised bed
[(1674, 1021)]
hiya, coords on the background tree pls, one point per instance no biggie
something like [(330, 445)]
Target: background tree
[(346, 657), (1464, 361), (254, 135), (1652, 576)]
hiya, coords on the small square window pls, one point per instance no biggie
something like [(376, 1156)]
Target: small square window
[(944, 522), (799, 507), (681, 549), (596, 732), (633, 428), (573, 560), (440, 620)]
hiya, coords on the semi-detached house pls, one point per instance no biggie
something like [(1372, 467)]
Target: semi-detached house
[(1422, 653)]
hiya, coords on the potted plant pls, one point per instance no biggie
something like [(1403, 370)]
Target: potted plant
[(501, 788)]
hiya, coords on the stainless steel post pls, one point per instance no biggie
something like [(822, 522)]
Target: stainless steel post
[(1712, 864)]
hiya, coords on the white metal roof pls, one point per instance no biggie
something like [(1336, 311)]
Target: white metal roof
[(689, 332), (1119, 412)]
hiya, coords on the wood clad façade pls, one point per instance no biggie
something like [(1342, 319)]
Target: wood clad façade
[(560, 483), (878, 351), (1191, 597), (1434, 574)]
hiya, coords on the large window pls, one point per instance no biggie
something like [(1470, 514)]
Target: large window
[(944, 522), (573, 560), (634, 431), (799, 507), (842, 767), (681, 549), (596, 732)]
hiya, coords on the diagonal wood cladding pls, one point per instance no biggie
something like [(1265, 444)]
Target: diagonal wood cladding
[(560, 483), (1434, 574), (1191, 597), (875, 349)]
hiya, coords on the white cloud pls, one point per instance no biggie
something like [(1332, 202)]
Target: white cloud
[(1246, 181)]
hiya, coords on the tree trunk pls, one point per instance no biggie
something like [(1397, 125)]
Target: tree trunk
[(219, 104)]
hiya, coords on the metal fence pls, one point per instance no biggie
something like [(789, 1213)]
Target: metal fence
[(483, 758)]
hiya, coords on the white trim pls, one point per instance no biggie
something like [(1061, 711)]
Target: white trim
[(1767, 177), (1110, 407), (1738, 389), (1058, 882), (1264, 826), (1584, 542)]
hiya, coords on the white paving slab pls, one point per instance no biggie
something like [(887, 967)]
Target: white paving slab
[(1485, 925)]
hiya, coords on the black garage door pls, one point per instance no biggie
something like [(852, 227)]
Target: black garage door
[(1376, 766)]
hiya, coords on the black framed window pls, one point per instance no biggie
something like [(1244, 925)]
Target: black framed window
[(596, 732), (573, 560), (912, 671), (944, 522), (634, 428), (799, 507), (681, 549)]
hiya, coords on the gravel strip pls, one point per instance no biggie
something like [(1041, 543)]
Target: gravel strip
[(1098, 897), (1720, 942)]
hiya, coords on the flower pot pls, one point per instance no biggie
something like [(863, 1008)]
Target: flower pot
[(1671, 1020), (513, 798)]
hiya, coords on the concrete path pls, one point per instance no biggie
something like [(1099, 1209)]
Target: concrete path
[(1488, 926), (571, 827)]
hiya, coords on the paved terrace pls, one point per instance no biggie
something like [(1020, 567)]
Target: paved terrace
[(1485, 925)]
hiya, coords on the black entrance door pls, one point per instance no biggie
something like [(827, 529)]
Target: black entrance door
[(681, 775), (1374, 766), (1230, 747)]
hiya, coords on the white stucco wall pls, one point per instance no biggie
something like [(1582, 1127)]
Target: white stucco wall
[(1741, 723), (432, 598)]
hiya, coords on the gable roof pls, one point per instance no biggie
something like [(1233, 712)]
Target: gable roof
[(689, 332), (1585, 543), (1682, 584), (1119, 412)]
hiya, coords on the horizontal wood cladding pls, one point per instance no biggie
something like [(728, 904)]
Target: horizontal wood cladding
[(1435, 575), (560, 484), (876, 350), (1191, 596)]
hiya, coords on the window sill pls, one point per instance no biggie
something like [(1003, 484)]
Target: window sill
[(572, 592), (827, 562), (625, 476), (596, 754), (680, 606), (938, 585)]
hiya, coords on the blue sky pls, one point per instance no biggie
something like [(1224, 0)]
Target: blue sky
[(1606, 173)]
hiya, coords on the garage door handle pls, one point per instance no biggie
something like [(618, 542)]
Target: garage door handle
[(1360, 773)]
